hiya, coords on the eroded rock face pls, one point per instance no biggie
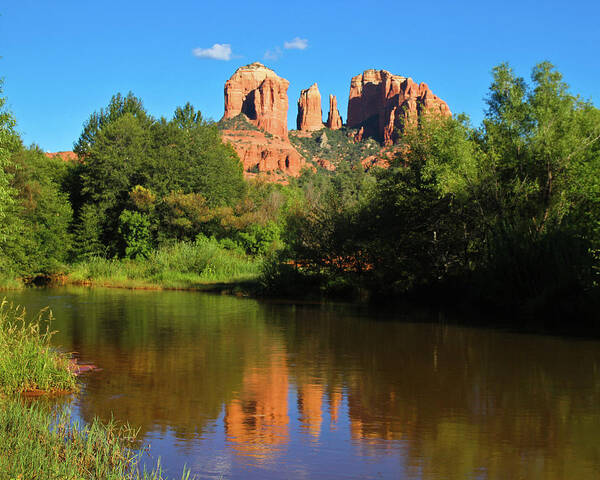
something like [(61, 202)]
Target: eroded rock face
[(260, 154), (383, 104), (260, 94), (310, 114), (334, 119)]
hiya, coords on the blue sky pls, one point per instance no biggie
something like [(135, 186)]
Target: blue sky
[(62, 60)]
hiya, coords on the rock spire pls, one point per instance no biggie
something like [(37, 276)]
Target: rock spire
[(334, 120), (310, 114)]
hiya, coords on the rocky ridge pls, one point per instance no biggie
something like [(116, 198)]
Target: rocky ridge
[(383, 104)]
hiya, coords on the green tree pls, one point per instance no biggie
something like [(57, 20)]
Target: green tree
[(117, 107), (87, 234), (134, 228), (124, 149), (43, 210), (9, 141)]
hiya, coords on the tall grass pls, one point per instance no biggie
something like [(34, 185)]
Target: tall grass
[(34, 444), (181, 265), (27, 360)]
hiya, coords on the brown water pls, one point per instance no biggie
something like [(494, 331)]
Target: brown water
[(238, 388)]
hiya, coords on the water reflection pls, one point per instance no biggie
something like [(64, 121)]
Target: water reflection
[(244, 389), (257, 420)]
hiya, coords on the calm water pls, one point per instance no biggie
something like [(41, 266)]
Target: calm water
[(237, 388)]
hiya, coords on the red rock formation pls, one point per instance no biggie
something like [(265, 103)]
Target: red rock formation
[(66, 156), (326, 164), (310, 114), (334, 120), (260, 94), (374, 161), (358, 136), (259, 153), (383, 104)]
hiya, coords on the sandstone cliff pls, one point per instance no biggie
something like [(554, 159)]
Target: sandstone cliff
[(310, 114), (261, 154), (334, 120), (260, 94), (383, 104)]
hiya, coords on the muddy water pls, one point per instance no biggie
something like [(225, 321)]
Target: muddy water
[(238, 388)]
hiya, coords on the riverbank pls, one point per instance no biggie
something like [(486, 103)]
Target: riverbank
[(203, 265), (36, 441)]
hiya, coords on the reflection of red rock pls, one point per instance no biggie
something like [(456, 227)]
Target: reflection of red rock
[(310, 405), (334, 120), (383, 103), (66, 156), (260, 94), (257, 421), (259, 153), (310, 114), (335, 401)]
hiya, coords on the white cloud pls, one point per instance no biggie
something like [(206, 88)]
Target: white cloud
[(273, 54), (296, 44), (219, 51)]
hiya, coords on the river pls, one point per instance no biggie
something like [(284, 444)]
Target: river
[(238, 388)]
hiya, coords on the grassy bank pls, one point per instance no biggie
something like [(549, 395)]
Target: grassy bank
[(179, 266), (37, 442), (27, 360)]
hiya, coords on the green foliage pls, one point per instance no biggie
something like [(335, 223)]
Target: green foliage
[(133, 162), (260, 239), (9, 141), (537, 142), (184, 215), (178, 265), (239, 122), (43, 211), (88, 230), (134, 228), (117, 107), (337, 146)]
